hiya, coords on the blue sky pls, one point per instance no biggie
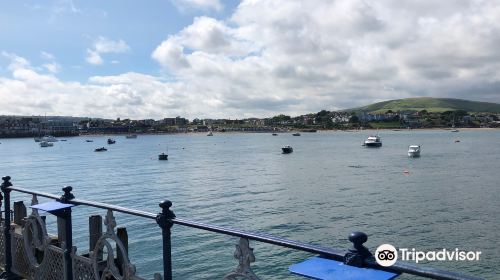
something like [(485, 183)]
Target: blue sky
[(66, 29), (249, 58)]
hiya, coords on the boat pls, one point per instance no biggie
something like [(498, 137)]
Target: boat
[(414, 150), (131, 136), (46, 138), (44, 144), (111, 141), (162, 156), (89, 141), (373, 141), (455, 130), (287, 149), (64, 140), (296, 134), (210, 133), (100, 149), (275, 134)]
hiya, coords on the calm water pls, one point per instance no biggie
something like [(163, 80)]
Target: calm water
[(328, 187)]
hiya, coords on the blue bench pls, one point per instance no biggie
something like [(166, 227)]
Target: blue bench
[(325, 269)]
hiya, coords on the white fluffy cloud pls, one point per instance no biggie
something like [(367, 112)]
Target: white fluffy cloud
[(104, 45), (294, 57)]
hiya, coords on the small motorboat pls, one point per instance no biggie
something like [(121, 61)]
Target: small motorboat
[(457, 141), (455, 130), (131, 136), (296, 134), (64, 140), (89, 141), (275, 134), (162, 156), (45, 144), (414, 150), (210, 133), (373, 141), (287, 149), (111, 141), (102, 149)]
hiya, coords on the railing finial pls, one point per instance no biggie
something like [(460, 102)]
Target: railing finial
[(359, 252), (6, 182), (67, 196)]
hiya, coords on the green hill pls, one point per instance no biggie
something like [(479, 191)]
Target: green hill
[(430, 104)]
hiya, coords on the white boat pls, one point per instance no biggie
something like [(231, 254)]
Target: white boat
[(49, 138), (414, 150), (44, 144), (210, 133), (455, 130), (373, 141), (131, 136), (296, 134)]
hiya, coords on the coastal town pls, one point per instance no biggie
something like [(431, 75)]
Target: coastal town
[(32, 126)]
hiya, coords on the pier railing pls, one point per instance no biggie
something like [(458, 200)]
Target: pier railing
[(28, 251)]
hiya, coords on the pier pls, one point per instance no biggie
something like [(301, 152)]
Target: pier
[(29, 251)]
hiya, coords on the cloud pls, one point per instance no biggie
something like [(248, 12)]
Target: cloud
[(184, 5), (104, 45), (294, 57), (303, 56)]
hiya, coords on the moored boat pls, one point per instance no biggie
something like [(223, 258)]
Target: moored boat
[(131, 136), (162, 156), (210, 133), (287, 149), (102, 149), (373, 141), (296, 134), (111, 141), (275, 134), (414, 150), (44, 144)]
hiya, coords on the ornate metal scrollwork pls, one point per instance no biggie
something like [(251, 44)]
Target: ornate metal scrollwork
[(128, 269), (36, 239), (244, 255)]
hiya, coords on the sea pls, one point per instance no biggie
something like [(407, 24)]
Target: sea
[(327, 188)]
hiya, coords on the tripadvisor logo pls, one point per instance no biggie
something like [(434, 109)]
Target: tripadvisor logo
[(387, 255)]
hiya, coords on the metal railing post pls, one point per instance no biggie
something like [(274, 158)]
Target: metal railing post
[(358, 253), (65, 214), (164, 220), (8, 253)]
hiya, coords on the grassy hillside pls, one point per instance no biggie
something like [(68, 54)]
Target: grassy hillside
[(430, 104)]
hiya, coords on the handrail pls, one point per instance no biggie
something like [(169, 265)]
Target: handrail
[(332, 253)]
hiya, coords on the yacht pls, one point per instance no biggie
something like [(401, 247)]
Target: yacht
[(287, 149), (373, 141), (414, 150), (44, 144)]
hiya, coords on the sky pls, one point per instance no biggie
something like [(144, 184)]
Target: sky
[(240, 59)]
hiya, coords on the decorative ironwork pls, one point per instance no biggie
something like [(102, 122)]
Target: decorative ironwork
[(244, 255), (127, 270), (36, 239)]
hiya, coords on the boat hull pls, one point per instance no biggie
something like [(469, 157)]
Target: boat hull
[(373, 144), (414, 154)]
